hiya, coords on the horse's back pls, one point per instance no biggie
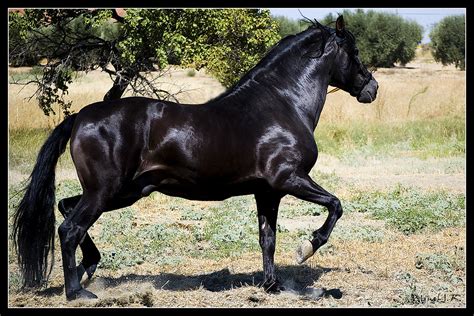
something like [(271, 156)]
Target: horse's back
[(134, 135), (205, 147)]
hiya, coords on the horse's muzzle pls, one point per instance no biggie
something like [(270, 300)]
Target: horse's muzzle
[(369, 92)]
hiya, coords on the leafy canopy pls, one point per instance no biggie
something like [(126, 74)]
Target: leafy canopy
[(448, 40), (383, 39), (227, 42)]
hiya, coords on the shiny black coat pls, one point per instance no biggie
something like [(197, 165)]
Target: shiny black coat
[(256, 138)]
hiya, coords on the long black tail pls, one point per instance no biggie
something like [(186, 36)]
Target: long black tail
[(34, 220)]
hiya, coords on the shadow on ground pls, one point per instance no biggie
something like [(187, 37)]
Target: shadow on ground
[(295, 279)]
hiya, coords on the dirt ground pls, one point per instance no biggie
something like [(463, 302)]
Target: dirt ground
[(381, 173), (348, 275)]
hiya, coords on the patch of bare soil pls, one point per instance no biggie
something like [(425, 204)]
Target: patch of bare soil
[(348, 273)]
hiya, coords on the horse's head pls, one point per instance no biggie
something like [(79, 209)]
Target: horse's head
[(348, 73)]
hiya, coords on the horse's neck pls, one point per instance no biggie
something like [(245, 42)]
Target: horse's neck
[(306, 90), (307, 95), (297, 81)]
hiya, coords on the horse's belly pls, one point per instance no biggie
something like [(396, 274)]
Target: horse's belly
[(209, 192)]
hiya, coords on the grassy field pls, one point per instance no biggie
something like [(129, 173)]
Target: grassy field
[(398, 166)]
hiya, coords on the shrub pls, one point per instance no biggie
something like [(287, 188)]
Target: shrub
[(383, 39), (411, 211), (448, 41)]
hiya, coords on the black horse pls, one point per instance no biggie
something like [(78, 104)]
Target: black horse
[(256, 138)]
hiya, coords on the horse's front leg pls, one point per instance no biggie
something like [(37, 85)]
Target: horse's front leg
[(303, 187), (267, 208)]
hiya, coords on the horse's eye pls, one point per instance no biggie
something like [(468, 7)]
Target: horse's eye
[(356, 52)]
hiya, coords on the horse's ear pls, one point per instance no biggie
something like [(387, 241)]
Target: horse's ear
[(340, 26)]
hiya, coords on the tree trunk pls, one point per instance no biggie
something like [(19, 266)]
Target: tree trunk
[(117, 89), (121, 82)]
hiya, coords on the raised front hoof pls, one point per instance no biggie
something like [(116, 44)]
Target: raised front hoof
[(304, 251), (273, 287), (80, 294)]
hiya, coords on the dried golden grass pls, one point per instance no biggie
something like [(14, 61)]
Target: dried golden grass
[(24, 112), (420, 90), (403, 95)]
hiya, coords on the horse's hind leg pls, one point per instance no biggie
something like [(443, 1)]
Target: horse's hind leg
[(305, 188), (71, 232), (90, 253)]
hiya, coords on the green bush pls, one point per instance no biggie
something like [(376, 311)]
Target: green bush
[(287, 26), (126, 244), (448, 41), (411, 211), (383, 38), (232, 228), (237, 40), (364, 233)]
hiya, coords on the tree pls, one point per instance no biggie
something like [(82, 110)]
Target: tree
[(383, 39), (128, 47), (287, 26), (448, 41)]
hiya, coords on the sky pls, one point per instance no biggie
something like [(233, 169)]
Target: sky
[(426, 17)]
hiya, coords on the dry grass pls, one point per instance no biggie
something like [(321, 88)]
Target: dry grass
[(91, 87), (381, 274), (420, 90), (444, 95)]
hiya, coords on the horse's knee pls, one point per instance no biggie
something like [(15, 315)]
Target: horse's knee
[(66, 205), (63, 229)]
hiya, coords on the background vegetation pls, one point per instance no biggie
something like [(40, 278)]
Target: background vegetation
[(448, 41), (228, 42), (383, 39)]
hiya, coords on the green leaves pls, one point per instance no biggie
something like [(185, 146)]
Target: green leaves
[(448, 41), (245, 36), (228, 42), (383, 39)]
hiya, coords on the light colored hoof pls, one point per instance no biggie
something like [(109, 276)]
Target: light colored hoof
[(304, 251)]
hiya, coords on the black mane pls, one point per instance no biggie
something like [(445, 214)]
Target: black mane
[(288, 47)]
